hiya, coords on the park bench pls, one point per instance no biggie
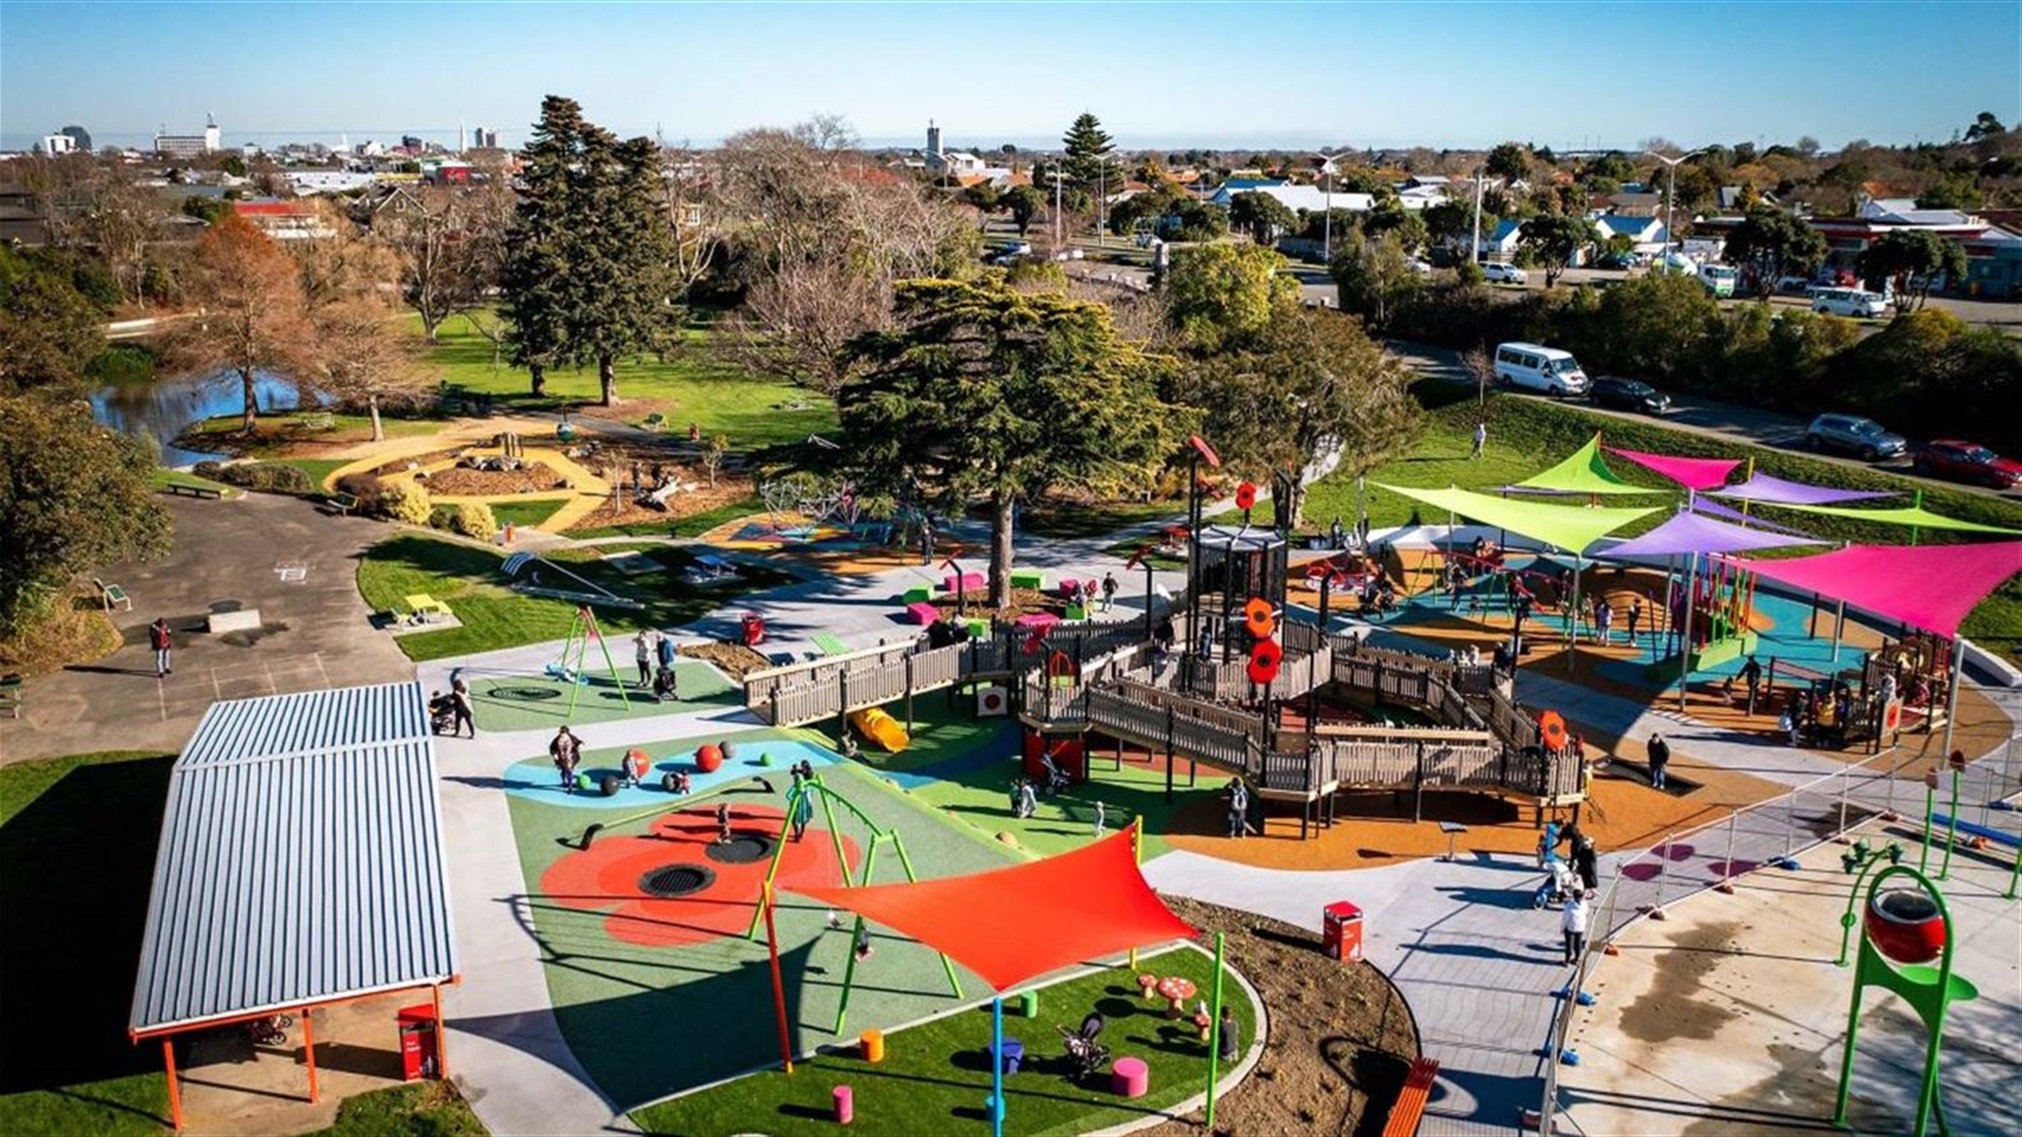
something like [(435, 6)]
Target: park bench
[(317, 421), (13, 695), (112, 595), (655, 421), (1412, 1099), (192, 489), (341, 503)]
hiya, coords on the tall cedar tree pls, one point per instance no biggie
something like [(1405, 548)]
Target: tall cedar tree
[(253, 316), (1090, 162), (981, 392), (534, 275)]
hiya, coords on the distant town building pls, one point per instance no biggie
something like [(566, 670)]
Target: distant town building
[(308, 182), (78, 135), (410, 143), (485, 138), (190, 145), (284, 220), (943, 163), (53, 144)]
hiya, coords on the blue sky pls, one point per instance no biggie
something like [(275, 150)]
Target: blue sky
[(1158, 74)]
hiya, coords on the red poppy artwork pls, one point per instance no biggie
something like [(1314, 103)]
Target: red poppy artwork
[(681, 884)]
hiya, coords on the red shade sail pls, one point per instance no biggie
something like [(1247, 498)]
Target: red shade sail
[(1009, 925), (1929, 586)]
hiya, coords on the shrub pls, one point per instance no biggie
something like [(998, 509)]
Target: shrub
[(264, 477), (404, 502), (469, 518)]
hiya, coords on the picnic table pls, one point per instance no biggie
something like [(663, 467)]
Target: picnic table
[(422, 605)]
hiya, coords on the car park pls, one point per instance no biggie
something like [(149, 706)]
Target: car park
[(1539, 368), (1968, 462), (1628, 395), (1855, 435), (1504, 273)]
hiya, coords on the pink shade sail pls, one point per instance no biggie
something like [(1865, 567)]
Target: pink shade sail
[(1690, 533), (1777, 491), (1693, 473), (1929, 586)]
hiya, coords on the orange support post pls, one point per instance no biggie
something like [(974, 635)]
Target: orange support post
[(309, 1048), (175, 1092), (778, 983), (441, 1034)]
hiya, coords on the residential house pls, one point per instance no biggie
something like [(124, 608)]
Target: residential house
[(309, 182), (1312, 199), (1646, 232), (284, 220), (1636, 204), (1501, 244)]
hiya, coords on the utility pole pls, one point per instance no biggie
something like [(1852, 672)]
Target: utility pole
[(1474, 254), (1057, 176), (1670, 198), (1327, 226)]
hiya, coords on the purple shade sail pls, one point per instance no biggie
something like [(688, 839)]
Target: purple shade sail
[(1693, 473), (1776, 491), (1711, 508), (1690, 533)]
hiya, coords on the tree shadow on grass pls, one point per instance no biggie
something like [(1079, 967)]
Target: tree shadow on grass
[(75, 869)]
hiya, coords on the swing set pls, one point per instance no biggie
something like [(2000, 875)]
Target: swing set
[(804, 792), (575, 653)]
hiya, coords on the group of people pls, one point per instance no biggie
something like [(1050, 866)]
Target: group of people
[(1574, 915), (649, 649), (1604, 619)]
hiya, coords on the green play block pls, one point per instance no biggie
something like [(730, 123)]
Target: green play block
[(1028, 1004), (1029, 578), (1076, 612), (978, 628), (917, 595)]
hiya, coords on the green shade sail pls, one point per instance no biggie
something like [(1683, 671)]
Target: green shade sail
[(1568, 527), (1915, 516), (1582, 473)]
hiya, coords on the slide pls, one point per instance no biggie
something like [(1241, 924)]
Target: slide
[(881, 728)]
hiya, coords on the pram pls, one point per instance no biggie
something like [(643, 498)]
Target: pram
[(441, 713), (1560, 882), (1056, 778), (1086, 1055)]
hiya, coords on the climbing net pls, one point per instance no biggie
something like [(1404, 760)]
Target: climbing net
[(799, 503)]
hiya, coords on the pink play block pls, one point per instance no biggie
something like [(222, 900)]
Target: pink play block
[(1130, 1077), (969, 582), (845, 1105), (923, 613), (1036, 620)]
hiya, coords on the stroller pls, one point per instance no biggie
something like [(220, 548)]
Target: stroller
[(441, 713), (1087, 1056), (1560, 882)]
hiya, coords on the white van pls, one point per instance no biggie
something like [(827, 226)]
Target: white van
[(1539, 368), (1719, 280), (1857, 302)]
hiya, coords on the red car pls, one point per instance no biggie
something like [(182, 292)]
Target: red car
[(1967, 462)]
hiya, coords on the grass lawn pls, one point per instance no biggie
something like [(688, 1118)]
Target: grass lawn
[(276, 431), (77, 846), (690, 387), (421, 1109), (468, 579), (316, 468), (936, 1075), (525, 514)]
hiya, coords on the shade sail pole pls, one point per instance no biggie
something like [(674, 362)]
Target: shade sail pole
[(1685, 635), (1573, 622), (1215, 1036), (1917, 503), (778, 983), (997, 1066)]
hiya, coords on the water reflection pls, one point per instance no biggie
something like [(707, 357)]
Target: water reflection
[(163, 408)]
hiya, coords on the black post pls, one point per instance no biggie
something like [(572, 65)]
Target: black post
[(842, 706), (1168, 753), (1147, 599), (909, 694), (1193, 563), (1418, 786)]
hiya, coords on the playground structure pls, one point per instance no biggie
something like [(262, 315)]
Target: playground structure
[(1902, 931), (575, 653), (525, 570), (797, 506)]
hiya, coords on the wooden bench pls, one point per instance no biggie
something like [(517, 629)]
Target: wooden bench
[(112, 595), (341, 503), (13, 695), (318, 421), (1412, 1099), (192, 489)]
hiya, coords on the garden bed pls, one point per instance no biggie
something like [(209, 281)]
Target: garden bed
[(463, 481), (734, 660)]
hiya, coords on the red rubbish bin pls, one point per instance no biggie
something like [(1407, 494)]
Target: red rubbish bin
[(1341, 932), (754, 629), (417, 1042)]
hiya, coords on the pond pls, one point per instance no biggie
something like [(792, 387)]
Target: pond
[(162, 409)]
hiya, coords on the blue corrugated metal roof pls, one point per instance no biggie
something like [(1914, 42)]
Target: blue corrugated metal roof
[(300, 859)]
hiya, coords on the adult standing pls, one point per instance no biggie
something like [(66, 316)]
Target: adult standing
[(927, 540), (664, 645), (1660, 761), (1604, 621), (1635, 617), (1239, 808), (642, 654), (1480, 438), (566, 750), (460, 705), (1751, 674), (1108, 591), (159, 639), (1573, 923), (803, 805)]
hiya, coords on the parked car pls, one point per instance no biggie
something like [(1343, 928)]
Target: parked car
[(1967, 462), (1856, 302), (1422, 268), (1539, 368), (1794, 285), (1629, 395), (1497, 271), (1855, 435), (1616, 262)]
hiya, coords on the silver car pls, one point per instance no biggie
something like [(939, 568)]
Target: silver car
[(1505, 273), (1855, 435)]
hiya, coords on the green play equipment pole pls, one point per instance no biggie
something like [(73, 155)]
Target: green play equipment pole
[(1929, 991), (1215, 1035), (1951, 826), (1847, 919), (906, 863), (1930, 789)]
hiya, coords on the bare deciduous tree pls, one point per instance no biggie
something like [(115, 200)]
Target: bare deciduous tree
[(448, 239)]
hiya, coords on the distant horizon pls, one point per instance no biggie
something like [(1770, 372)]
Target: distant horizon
[(1161, 76)]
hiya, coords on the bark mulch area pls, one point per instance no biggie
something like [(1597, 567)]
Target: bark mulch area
[(1024, 602), (417, 461), (624, 509), (1340, 1037), (462, 481), (734, 660)]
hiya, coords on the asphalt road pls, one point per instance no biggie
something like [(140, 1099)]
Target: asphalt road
[(1695, 414)]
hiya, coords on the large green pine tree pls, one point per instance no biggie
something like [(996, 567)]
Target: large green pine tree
[(534, 275), (1091, 163), (982, 393)]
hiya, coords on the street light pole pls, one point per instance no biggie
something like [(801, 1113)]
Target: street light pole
[(1327, 224), (1474, 253), (1057, 176), (1670, 198)]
